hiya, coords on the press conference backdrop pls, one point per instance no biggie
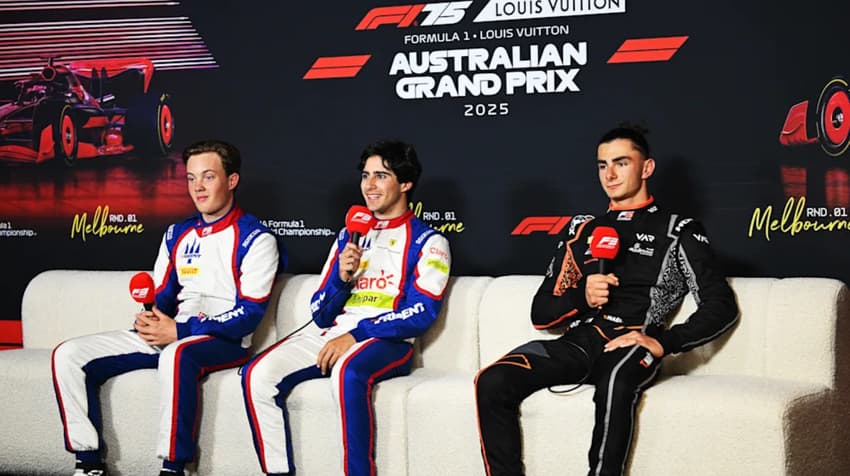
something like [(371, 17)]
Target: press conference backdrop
[(504, 100)]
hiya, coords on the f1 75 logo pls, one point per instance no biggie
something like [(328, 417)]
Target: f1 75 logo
[(551, 225), (442, 13)]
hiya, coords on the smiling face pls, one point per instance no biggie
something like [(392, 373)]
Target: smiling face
[(623, 171), (384, 195), (209, 185)]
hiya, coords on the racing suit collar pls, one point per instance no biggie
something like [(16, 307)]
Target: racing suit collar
[(394, 222), (648, 202), (228, 219)]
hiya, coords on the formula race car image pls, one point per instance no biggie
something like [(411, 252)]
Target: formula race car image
[(86, 109), (832, 125)]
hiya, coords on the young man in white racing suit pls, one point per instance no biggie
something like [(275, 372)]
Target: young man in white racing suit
[(213, 277), (616, 321), (376, 295)]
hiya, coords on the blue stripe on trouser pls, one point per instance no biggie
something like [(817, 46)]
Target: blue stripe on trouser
[(284, 387), (98, 371), (354, 377), (266, 382), (181, 366), (79, 367), (82, 365)]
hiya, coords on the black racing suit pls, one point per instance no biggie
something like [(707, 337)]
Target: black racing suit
[(662, 256)]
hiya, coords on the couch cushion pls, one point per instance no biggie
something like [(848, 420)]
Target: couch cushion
[(31, 441), (738, 425), (505, 316), (293, 309), (59, 304), (786, 330), (451, 343)]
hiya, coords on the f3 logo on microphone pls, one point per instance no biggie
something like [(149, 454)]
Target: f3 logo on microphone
[(609, 242), (362, 217), (139, 293)]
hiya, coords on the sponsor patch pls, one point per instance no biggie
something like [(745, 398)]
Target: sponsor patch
[(247, 241), (438, 264), (192, 251), (404, 313), (372, 299), (188, 271), (682, 224), (645, 237), (637, 248), (609, 317)]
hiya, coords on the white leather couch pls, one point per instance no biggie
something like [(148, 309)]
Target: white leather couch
[(769, 398)]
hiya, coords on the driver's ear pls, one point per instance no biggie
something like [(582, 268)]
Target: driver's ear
[(648, 168)]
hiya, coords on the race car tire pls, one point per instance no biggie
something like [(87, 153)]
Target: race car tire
[(833, 117), (63, 120), (150, 124)]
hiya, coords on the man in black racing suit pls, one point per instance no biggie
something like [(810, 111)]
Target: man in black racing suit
[(616, 333)]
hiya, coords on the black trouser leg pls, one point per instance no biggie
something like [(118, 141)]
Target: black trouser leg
[(501, 387), (620, 377)]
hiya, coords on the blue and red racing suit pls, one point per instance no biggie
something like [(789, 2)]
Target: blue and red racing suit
[(394, 296), (215, 279)]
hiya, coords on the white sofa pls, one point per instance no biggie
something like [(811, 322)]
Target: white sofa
[(769, 398)]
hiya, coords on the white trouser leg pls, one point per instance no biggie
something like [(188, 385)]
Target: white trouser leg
[(69, 378), (261, 380)]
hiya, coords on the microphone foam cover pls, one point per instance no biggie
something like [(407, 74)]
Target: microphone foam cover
[(142, 288), (359, 219), (604, 243)]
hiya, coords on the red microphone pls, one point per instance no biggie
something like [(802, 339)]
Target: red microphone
[(142, 290), (604, 245), (358, 221)]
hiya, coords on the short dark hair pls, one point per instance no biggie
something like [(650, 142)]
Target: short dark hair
[(397, 156), (633, 132), (230, 157)]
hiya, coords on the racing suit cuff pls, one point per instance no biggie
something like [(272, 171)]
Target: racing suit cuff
[(579, 297), (337, 282), (358, 334), (581, 302), (669, 342), (184, 329)]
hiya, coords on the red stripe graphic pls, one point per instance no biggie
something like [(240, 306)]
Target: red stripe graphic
[(337, 67), (11, 336), (31, 5), (642, 50), (169, 42)]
